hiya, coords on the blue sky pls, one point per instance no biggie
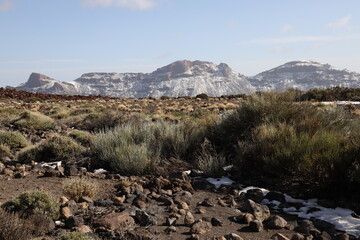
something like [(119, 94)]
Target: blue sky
[(66, 38)]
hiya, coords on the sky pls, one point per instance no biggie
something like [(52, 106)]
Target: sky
[(66, 38)]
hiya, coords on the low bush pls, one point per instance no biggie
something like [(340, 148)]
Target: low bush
[(7, 115), (83, 137), (34, 121), (12, 227), (76, 236), (209, 161), (13, 139), (76, 188), (57, 148), (5, 151), (271, 135), (131, 147), (102, 120), (33, 202)]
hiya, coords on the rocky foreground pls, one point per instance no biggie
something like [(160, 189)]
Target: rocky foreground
[(180, 206)]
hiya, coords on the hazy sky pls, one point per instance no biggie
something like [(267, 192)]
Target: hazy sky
[(66, 38)]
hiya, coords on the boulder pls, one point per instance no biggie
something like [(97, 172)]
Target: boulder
[(276, 222), (261, 212), (256, 226), (200, 227), (116, 221)]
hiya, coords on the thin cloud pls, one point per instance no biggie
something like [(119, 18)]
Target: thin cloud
[(6, 5), (340, 23), (41, 61), (302, 39), (286, 28), (280, 49), (132, 4)]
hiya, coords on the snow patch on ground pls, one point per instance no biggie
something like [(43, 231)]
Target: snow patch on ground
[(342, 218), (217, 182)]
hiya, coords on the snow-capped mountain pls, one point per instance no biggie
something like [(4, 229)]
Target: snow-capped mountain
[(304, 75), (181, 78), (189, 78), (43, 84)]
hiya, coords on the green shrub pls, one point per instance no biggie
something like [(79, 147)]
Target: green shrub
[(7, 115), (202, 96), (83, 137), (209, 161), (102, 120), (60, 113), (35, 121), (129, 148), (12, 227), (13, 139), (75, 236), (5, 151), (76, 188), (33, 202), (273, 135), (57, 148)]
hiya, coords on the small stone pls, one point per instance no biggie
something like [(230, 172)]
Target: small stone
[(200, 210), (206, 203), (140, 204), (255, 194), (261, 212), (216, 222), (342, 236), (120, 200), (189, 219), (222, 203), (83, 205), (83, 229), (63, 200), (170, 221), (183, 205), (277, 222), (256, 226), (182, 211), (194, 237), (8, 172), (279, 236), (233, 236), (248, 218), (145, 219), (219, 238), (86, 199), (74, 221), (200, 227), (297, 236), (66, 212), (171, 229)]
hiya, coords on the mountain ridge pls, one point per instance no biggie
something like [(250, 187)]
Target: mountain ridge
[(189, 78)]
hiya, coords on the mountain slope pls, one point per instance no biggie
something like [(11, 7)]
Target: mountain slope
[(181, 78), (304, 75), (189, 78)]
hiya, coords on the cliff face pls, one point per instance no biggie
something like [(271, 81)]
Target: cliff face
[(189, 78)]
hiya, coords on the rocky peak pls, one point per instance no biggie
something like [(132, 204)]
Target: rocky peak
[(37, 80)]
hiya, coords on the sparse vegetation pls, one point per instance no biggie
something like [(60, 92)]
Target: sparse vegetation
[(83, 137), (33, 202), (272, 136), (12, 227), (13, 139), (76, 188), (34, 121), (5, 151), (130, 148), (57, 148), (75, 236)]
